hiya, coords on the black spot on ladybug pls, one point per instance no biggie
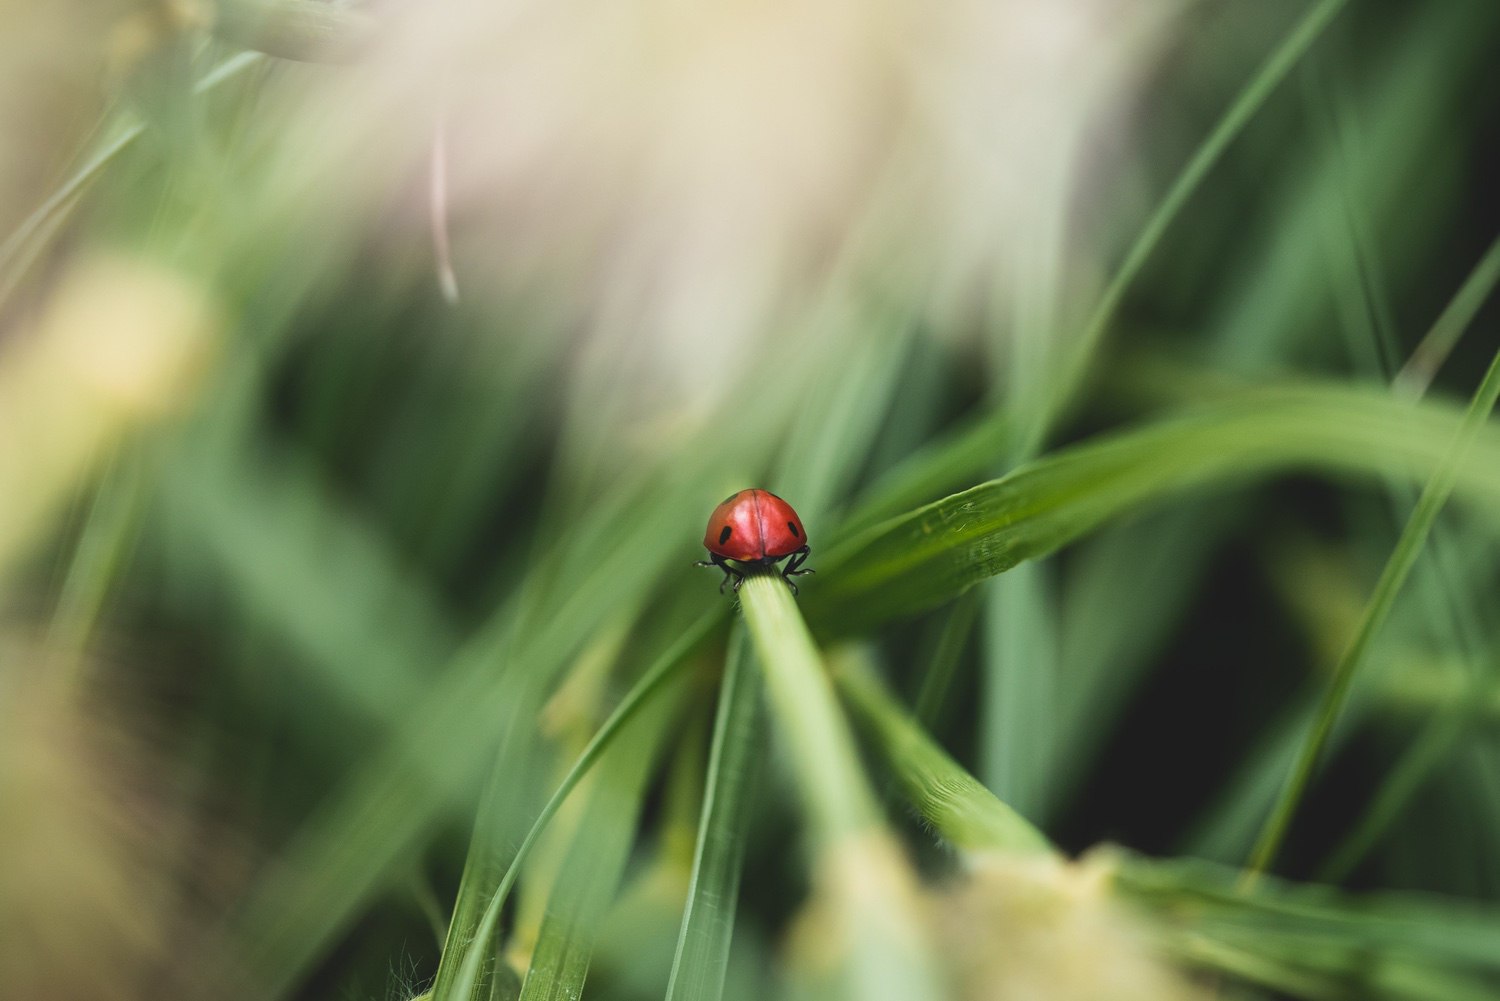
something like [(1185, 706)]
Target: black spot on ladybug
[(793, 527), (731, 497), (724, 535)]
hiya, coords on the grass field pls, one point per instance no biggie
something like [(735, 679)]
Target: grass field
[(368, 373)]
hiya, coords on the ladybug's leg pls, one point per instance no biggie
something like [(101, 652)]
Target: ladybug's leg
[(729, 571), (792, 568), (798, 558)]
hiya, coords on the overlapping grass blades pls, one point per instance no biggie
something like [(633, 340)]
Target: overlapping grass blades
[(461, 973), (1314, 941), (1413, 536)]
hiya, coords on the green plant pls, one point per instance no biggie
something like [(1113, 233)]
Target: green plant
[(361, 417)]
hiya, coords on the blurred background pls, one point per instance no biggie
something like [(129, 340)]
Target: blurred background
[(367, 373)]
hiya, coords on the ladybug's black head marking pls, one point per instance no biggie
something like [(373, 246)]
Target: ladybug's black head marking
[(724, 535), (793, 527)]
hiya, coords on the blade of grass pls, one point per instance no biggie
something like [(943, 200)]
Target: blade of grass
[(1417, 374), (1244, 107), (834, 429), (21, 247), (937, 678), (858, 870), (977, 447), (1021, 688), (1379, 946), (103, 548), (1392, 576), (1227, 830), (946, 796), (930, 555), (702, 956), (460, 967), (1450, 721), (438, 749), (596, 859), (1436, 741), (258, 519)]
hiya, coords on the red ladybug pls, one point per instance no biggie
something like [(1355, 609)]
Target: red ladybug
[(756, 528)]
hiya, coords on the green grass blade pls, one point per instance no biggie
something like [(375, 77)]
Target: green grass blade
[(1392, 576), (440, 747), (978, 446), (596, 859), (857, 867), (937, 678), (1417, 374), (1021, 690), (255, 518), (22, 246), (1334, 944), (1244, 107), (1227, 830), (459, 982), (926, 557), (946, 796), (702, 956)]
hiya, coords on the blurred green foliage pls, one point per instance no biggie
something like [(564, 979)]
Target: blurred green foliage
[(317, 580)]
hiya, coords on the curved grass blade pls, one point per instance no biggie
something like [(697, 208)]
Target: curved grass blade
[(702, 956), (930, 555), (458, 983), (1392, 576)]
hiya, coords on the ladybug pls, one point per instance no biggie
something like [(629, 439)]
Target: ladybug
[(758, 529)]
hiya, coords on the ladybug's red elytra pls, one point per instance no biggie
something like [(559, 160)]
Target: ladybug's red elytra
[(755, 528)]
